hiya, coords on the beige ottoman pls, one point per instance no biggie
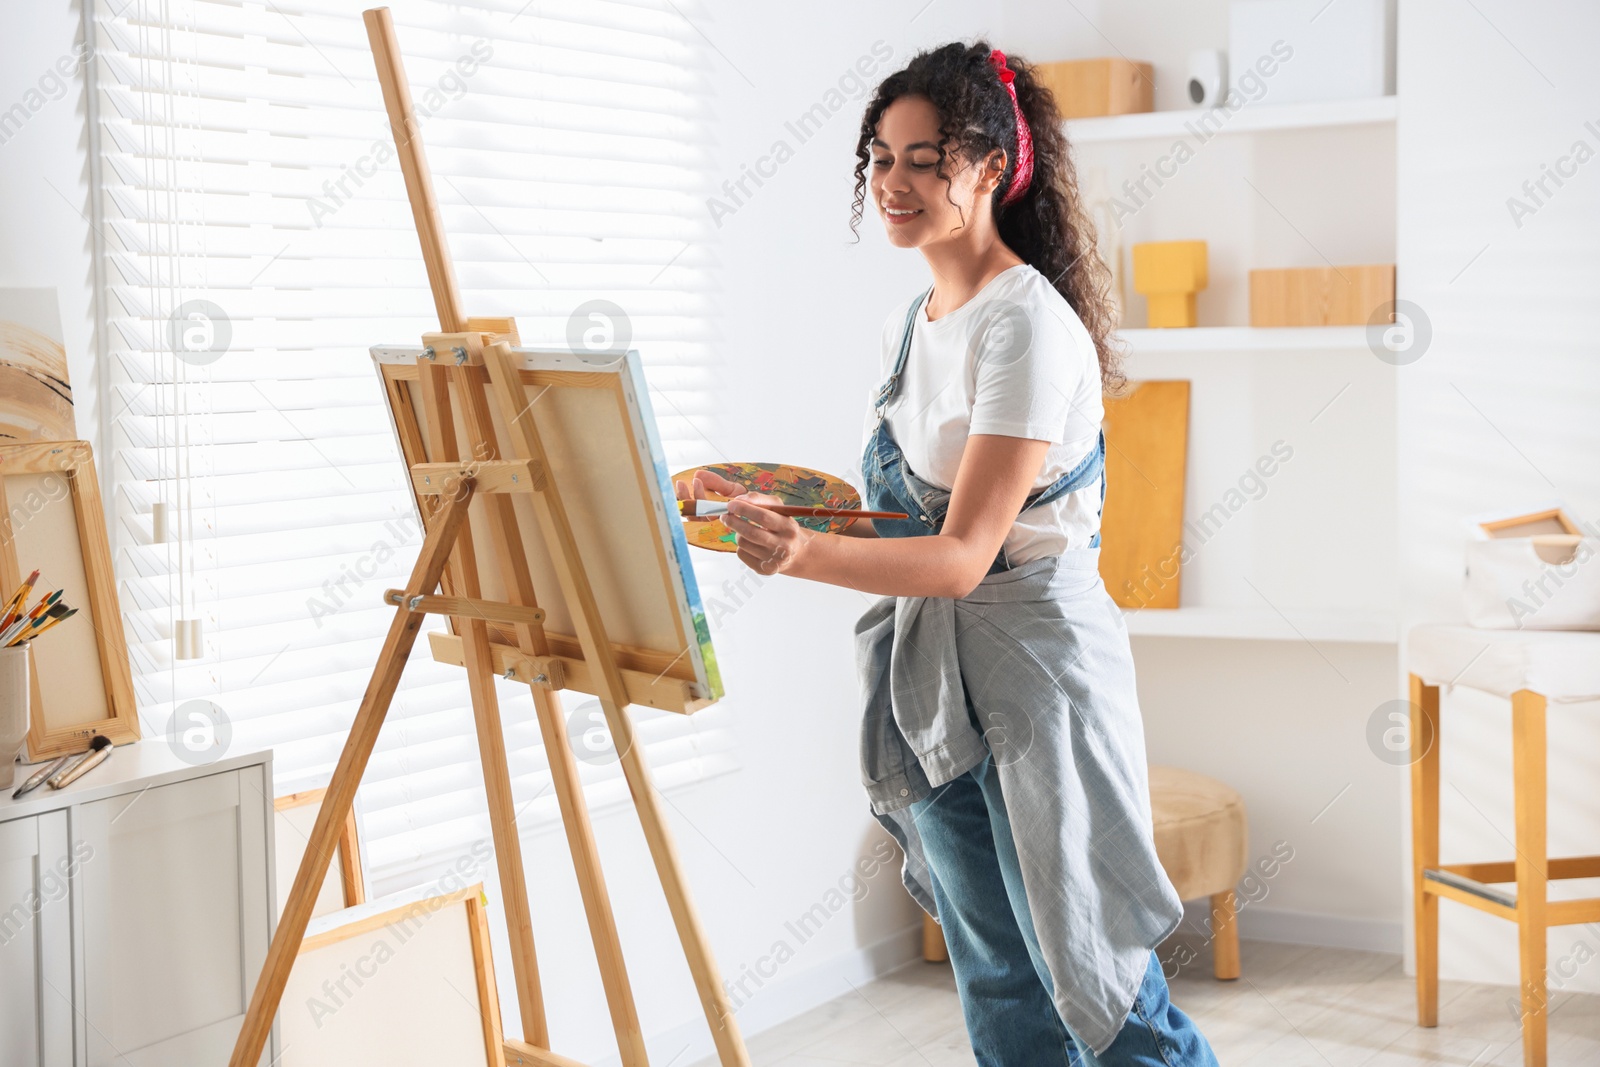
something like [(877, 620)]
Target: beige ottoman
[(1201, 838)]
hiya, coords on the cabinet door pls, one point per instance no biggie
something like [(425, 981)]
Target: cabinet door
[(176, 919), (35, 942)]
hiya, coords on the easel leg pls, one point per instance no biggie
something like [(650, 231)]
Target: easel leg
[(702, 964), (591, 879), (503, 823), (341, 794), (442, 445)]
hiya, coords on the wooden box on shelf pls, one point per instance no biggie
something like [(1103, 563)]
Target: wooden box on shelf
[(1088, 88), (1320, 296)]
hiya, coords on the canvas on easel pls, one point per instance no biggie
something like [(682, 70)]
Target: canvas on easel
[(555, 547), (604, 450)]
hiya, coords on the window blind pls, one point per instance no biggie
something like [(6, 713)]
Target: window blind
[(257, 240)]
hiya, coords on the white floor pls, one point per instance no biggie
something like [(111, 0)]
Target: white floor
[(1294, 1006)]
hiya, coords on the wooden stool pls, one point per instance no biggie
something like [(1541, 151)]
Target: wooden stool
[(1202, 836), (1530, 668)]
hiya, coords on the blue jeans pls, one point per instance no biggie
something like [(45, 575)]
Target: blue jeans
[(1000, 974)]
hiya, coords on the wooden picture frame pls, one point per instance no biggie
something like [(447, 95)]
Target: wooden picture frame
[(51, 519), (395, 984), (1547, 521), (346, 885)]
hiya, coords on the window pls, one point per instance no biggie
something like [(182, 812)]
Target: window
[(257, 240)]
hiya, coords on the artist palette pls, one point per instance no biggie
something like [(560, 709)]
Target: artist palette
[(800, 486)]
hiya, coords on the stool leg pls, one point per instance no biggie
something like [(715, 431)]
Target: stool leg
[(1425, 843), (1528, 759), (933, 946), (1224, 936)]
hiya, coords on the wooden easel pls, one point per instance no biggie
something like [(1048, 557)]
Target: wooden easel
[(472, 359)]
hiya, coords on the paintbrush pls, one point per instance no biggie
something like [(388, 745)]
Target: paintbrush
[(25, 623), (54, 614), (18, 599), (99, 751), (708, 509), (36, 779)]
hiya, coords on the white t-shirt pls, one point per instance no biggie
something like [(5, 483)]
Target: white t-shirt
[(1013, 360)]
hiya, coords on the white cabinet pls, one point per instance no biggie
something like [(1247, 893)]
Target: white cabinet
[(135, 912), (35, 943)]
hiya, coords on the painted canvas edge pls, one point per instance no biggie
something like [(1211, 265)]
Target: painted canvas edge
[(637, 392)]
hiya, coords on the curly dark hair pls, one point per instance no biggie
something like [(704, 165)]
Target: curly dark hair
[(1048, 226)]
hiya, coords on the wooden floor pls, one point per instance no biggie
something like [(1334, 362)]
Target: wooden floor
[(1294, 1006)]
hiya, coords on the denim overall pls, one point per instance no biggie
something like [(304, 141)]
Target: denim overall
[(891, 485)]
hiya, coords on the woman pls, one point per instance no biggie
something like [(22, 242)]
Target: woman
[(1001, 741)]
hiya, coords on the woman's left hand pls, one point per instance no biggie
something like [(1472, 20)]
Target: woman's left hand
[(768, 543)]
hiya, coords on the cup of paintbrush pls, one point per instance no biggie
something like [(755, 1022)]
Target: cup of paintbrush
[(14, 689)]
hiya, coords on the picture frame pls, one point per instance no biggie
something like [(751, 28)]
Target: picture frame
[(1551, 520), (51, 518), (345, 885), (406, 982)]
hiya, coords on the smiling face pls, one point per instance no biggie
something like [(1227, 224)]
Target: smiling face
[(905, 155)]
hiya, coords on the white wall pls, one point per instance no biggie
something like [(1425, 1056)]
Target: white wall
[(1504, 409), (45, 232)]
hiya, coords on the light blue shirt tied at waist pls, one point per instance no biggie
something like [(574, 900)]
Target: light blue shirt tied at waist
[(1039, 656)]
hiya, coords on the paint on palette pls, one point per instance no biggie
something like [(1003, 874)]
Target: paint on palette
[(799, 486)]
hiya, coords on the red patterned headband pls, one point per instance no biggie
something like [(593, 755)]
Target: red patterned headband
[(1023, 175)]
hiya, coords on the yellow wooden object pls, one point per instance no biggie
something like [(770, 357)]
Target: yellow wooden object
[(1141, 533), (1169, 273), (1320, 296), (1089, 88)]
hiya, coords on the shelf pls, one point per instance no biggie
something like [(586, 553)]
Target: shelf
[(1246, 338), (1263, 624), (1249, 119)]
